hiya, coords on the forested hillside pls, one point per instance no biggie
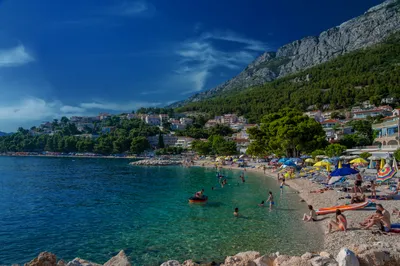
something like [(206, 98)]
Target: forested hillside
[(368, 74)]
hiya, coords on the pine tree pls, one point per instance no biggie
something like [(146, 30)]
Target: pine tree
[(160, 141)]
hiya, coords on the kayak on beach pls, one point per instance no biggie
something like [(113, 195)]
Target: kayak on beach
[(198, 200), (349, 207)]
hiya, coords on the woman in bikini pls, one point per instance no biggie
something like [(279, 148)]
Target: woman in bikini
[(340, 224)]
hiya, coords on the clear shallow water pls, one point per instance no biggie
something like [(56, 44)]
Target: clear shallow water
[(92, 208)]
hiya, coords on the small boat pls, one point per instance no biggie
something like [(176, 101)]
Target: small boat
[(349, 207), (198, 200)]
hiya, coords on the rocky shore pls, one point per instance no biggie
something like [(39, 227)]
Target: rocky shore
[(374, 254), (157, 162)]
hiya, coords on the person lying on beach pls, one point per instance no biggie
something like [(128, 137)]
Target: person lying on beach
[(262, 204), (270, 200), (381, 221), (339, 224), (357, 199), (396, 211), (312, 217), (236, 212), (397, 191)]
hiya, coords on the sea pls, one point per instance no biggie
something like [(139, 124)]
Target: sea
[(92, 208)]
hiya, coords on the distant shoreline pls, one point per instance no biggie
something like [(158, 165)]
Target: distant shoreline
[(70, 156)]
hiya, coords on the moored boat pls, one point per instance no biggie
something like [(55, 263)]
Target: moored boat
[(349, 207)]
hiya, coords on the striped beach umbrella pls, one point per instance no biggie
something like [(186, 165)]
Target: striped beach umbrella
[(385, 174)]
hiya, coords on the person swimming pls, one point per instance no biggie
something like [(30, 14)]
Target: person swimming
[(236, 212), (270, 200)]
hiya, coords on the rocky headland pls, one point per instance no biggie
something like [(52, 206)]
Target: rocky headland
[(157, 162)]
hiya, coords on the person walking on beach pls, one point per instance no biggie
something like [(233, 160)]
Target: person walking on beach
[(270, 200), (373, 189), (340, 222), (312, 217), (357, 184)]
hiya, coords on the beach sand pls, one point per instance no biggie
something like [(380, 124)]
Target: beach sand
[(334, 241)]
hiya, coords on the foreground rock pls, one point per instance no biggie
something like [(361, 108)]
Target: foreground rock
[(44, 259), (156, 162)]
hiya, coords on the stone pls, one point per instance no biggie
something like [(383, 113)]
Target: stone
[(266, 260), (323, 261), (119, 260), (325, 254), (44, 259), (81, 262), (291, 261), (61, 263), (346, 257), (307, 256), (171, 263), (242, 259), (190, 263)]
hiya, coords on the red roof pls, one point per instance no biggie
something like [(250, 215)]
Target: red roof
[(330, 121)]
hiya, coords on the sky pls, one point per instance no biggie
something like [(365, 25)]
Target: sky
[(74, 57)]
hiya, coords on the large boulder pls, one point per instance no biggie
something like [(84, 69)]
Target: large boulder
[(190, 263), (380, 253), (291, 261), (242, 259), (44, 259), (82, 262), (346, 257), (323, 261), (266, 260), (171, 263), (119, 260)]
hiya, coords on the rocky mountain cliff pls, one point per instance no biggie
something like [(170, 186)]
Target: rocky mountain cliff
[(371, 28)]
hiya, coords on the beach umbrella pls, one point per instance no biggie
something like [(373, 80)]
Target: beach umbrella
[(296, 160), (328, 168), (335, 179), (359, 161), (382, 163), (339, 165), (309, 160), (342, 157), (289, 163), (305, 156), (385, 174), (321, 157), (282, 160), (327, 161), (344, 171), (394, 166), (321, 163)]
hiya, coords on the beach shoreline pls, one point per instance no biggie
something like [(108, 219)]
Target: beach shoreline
[(334, 241)]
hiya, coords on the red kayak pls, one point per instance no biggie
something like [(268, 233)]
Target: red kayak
[(342, 208), (198, 200)]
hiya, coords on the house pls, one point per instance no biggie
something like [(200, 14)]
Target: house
[(388, 131), (75, 119), (163, 118), (367, 104), (389, 100), (184, 142), (131, 116), (330, 123), (211, 123), (316, 115), (169, 140), (242, 120), (242, 145), (103, 116), (176, 125), (186, 121), (237, 127), (153, 120), (363, 114), (229, 119)]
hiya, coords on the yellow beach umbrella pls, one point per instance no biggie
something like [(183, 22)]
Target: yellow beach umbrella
[(359, 160), (382, 163), (339, 165), (321, 163), (328, 168), (309, 160)]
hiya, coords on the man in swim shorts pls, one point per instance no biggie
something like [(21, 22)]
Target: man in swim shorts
[(270, 200)]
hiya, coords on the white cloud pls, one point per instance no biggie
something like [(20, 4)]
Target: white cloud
[(132, 9), (200, 56), (15, 57), (231, 36), (32, 111)]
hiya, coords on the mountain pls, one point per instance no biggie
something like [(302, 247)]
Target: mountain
[(3, 134), (368, 74), (371, 28)]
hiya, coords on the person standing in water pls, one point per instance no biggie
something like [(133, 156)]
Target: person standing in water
[(236, 212), (270, 200), (283, 184)]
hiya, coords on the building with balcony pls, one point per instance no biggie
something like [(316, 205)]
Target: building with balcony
[(388, 131), (184, 142)]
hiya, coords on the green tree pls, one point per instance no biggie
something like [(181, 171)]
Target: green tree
[(396, 155), (333, 150), (139, 145), (160, 141), (201, 147), (317, 152), (365, 155)]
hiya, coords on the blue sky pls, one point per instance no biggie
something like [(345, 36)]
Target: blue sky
[(80, 57)]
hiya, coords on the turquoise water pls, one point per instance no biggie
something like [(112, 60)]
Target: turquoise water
[(92, 208)]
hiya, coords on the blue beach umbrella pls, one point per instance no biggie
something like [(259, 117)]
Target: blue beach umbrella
[(289, 163), (344, 171), (296, 160), (282, 160)]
